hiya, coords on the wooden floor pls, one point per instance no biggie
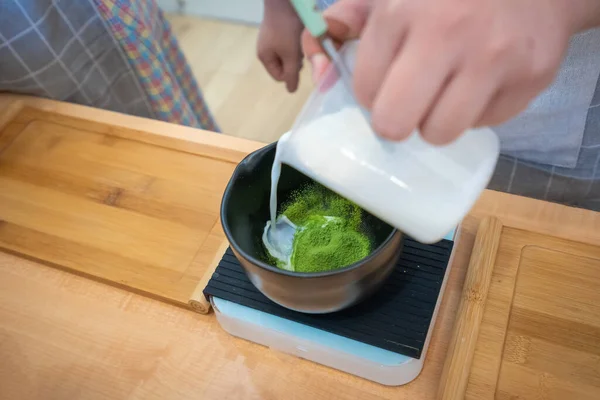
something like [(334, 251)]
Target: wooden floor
[(244, 99)]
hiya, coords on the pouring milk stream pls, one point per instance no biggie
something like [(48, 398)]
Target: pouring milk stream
[(420, 189)]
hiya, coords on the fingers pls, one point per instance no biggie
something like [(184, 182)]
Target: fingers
[(284, 68), (314, 52), (319, 63), (291, 71), (281, 59), (382, 38), (442, 70), (458, 108), (346, 20), (412, 83), (485, 92), (338, 30), (505, 104), (272, 63)]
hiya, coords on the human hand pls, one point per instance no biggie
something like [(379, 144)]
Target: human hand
[(278, 46), (444, 66)]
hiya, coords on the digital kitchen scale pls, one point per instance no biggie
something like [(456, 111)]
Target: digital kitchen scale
[(383, 339)]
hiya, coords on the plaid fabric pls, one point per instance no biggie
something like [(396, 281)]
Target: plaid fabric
[(116, 55)]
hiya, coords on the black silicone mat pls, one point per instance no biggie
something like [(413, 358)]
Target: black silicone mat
[(396, 318)]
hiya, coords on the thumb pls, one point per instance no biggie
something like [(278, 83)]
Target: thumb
[(346, 20), (291, 71)]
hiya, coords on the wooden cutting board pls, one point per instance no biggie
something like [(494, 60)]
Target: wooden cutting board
[(528, 325), (60, 333), (127, 207)]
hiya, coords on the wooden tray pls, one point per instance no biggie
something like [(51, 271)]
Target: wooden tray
[(48, 319), (528, 325), (128, 207)]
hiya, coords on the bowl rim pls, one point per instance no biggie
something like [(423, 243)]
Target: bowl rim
[(268, 267)]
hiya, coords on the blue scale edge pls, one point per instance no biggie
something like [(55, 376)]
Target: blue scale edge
[(335, 342)]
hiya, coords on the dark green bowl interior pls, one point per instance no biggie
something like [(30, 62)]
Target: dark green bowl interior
[(245, 208)]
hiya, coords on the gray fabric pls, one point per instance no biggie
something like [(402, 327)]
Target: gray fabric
[(551, 130), (120, 56), (578, 186), (63, 50), (524, 179)]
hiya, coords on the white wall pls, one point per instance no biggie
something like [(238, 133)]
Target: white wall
[(245, 11)]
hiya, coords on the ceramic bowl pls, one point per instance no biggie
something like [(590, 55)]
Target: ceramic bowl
[(244, 212)]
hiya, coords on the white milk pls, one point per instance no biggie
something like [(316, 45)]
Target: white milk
[(275, 173), (422, 190), (278, 234)]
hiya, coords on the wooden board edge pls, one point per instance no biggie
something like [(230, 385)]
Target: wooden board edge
[(146, 130), (9, 109), (95, 278), (455, 373), (544, 217), (198, 301)]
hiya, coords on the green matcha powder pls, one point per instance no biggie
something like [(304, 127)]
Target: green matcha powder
[(329, 235)]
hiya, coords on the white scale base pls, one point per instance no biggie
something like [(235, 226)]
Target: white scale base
[(356, 358)]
